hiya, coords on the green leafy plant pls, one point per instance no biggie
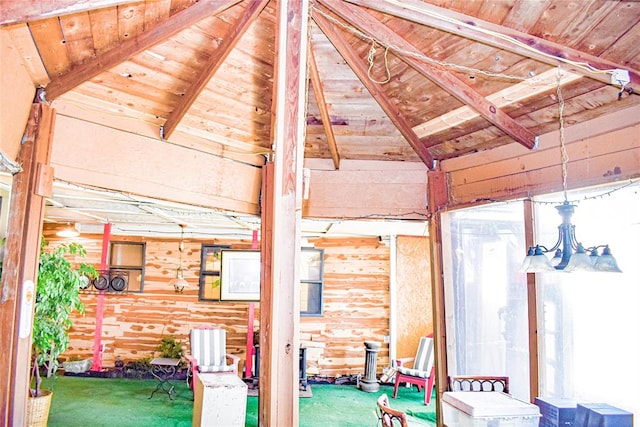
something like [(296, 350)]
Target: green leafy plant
[(57, 296), (138, 368), (171, 348)]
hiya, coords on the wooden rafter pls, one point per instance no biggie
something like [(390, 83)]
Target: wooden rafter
[(447, 81), (120, 53), (352, 59), (18, 12), (504, 98), (498, 36), (318, 90), (217, 58)]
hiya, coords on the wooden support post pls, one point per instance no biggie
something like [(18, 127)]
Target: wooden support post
[(266, 288), (248, 364), (22, 251), (280, 317), (437, 200), (96, 364), (532, 305)]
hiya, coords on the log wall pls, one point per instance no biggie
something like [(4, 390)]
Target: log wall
[(356, 305)]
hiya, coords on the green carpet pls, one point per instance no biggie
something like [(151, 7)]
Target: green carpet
[(105, 402)]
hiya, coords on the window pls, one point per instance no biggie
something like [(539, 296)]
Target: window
[(311, 281), (588, 322), (128, 258), (311, 277), (210, 272), (485, 296)]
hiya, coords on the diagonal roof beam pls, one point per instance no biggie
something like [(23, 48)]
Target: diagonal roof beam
[(503, 98), (343, 47), (498, 36), (447, 81), (120, 53), (318, 90), (217, 58)]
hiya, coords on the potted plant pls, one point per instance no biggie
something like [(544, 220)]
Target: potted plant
[(57, 296)]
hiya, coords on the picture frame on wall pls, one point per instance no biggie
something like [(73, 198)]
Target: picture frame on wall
[(240, 275)]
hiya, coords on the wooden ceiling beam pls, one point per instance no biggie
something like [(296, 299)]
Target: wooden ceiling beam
[(217, 58), (447, 81), (318, 90), (503, 98), (19, 12), (352, 59), (498, 36), (125, 50)]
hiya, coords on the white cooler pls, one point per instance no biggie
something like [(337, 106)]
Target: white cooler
[(487, 409), (219, 400)]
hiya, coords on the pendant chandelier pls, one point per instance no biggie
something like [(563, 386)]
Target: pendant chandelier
[(178, 282), (569, 253), (69, 231)]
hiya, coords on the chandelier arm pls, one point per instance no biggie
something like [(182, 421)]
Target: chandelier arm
[(594, 248), (558, 242), (574, 240)]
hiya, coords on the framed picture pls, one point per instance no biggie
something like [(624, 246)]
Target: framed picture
[(240, 275)]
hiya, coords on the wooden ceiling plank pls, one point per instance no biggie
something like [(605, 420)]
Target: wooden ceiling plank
[(155, 12), (49, 40), (442, 78), (475, 29), (215, 61), (23, 41), (374, 88), (132, 46), (77, 36), (131, 20), (318, 90), (16, 12), (104, 27)]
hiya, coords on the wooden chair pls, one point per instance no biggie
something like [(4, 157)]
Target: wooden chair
[(479, 383), (391, 417), (208, 352), (422, 373)]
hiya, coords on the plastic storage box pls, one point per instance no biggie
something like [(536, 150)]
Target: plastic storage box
[(601, 415), (556, 411), (487, 409)]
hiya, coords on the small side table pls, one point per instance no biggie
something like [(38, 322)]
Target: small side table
[(164, 369)]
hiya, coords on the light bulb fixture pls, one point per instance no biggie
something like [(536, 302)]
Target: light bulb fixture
[(179, 282), (569, 253), (69, 231)]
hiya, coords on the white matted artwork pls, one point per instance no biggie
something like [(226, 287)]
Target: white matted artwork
[(240, 275)]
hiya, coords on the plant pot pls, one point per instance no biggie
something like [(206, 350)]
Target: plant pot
[(38, 409)]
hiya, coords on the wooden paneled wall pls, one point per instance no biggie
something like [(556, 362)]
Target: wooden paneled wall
[(356, 305), (601, 151)]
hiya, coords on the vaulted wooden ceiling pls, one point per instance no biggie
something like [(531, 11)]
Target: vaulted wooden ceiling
[(397, 80), (410, 80)]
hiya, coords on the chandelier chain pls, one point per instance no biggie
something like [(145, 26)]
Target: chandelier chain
[(563, 148)]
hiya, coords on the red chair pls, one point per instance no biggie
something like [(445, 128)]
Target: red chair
[(422, 373)]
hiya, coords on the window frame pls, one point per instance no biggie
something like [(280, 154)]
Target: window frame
[(204, 274), (130, 267), (319, 282)]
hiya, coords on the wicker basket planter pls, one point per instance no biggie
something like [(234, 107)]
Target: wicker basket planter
[(78, 366), (38, 409)]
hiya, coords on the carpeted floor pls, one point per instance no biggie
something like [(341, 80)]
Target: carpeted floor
[(123, 402)]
